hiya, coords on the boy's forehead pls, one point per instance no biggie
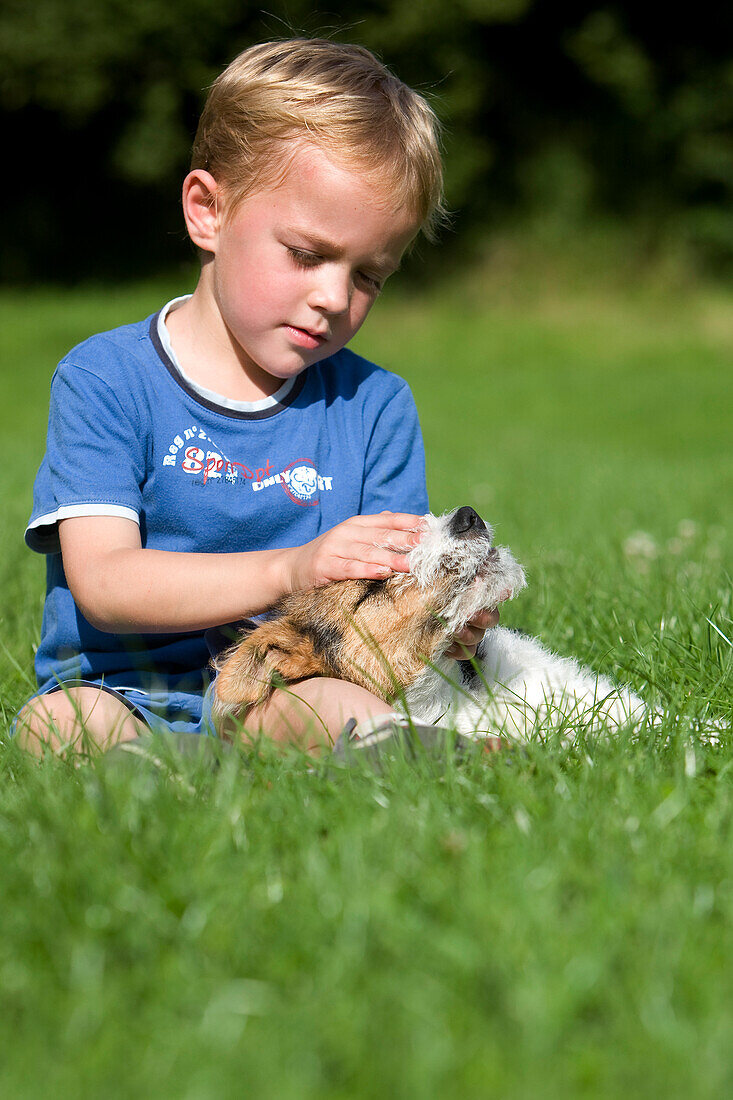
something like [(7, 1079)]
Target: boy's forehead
[(321, 196)]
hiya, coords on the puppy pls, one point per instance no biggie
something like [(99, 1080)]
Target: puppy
[(391, 636)]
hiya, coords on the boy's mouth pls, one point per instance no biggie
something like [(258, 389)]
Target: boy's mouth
[(306, 338)]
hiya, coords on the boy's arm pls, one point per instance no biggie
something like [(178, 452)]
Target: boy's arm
[(122, 588)]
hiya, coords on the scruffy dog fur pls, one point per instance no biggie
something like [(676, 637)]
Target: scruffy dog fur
[(391, 636)]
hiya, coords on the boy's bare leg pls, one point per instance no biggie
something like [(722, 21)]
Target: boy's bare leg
[(78, 718), (312, 713)]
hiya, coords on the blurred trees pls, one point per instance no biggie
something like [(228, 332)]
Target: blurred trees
[(559, 110)]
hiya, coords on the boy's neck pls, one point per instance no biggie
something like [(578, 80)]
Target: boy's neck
[(207, 353)]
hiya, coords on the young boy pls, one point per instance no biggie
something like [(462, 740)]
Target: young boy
[(207, 461)]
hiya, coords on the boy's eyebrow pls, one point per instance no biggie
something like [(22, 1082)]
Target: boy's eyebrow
[(383, 263)]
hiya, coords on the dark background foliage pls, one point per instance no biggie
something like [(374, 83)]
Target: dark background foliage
[(559, 111)]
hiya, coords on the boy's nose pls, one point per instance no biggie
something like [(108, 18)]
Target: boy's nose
[(331, 292)]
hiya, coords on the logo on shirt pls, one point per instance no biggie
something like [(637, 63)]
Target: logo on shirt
[(300, 480), (198, 456), (303, 482)]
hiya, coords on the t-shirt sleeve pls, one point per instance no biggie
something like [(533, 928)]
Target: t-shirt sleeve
[(95, 456), (394, 468)]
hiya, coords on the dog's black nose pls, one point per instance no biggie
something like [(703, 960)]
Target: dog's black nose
[(466, 522)]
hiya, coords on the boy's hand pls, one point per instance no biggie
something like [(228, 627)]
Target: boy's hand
[(355, 549), (466, 640)]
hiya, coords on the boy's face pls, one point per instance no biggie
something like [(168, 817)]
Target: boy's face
[(296, 269)]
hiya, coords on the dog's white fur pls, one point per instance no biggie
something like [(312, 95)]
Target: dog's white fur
[(521, 687)]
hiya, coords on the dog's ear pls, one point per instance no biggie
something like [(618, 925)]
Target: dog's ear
[(247, 674)]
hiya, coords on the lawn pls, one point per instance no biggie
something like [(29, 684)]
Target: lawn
[(557, 922)]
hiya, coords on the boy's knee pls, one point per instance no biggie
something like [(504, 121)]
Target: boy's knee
[(77, 718), (312, 713)]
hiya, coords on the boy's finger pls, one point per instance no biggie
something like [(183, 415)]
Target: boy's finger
[(400, 563), (374, 569), (389, 538), (483, 619), (399, 543), (374, 561), (394, 521), (392, 562)]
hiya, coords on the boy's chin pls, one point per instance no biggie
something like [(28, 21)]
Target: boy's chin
[(290, 366)]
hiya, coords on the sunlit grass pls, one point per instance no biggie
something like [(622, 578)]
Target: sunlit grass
[(555, 922)]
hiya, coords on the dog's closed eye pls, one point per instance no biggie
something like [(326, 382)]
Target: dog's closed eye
[(373, 590)]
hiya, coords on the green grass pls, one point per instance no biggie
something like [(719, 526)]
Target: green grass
[(552, 923)]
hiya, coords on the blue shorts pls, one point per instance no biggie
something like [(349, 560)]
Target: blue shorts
[(163, 711)]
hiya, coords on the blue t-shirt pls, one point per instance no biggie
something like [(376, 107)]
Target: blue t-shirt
[(129, 435)]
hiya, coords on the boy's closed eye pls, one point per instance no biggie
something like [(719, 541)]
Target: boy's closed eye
[(302, 258)]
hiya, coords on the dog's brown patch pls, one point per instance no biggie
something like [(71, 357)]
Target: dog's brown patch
[(373, 633)]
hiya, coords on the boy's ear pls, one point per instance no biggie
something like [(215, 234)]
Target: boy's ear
[(201, 209)]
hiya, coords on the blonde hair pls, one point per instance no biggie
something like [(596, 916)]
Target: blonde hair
[(338, 96)]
